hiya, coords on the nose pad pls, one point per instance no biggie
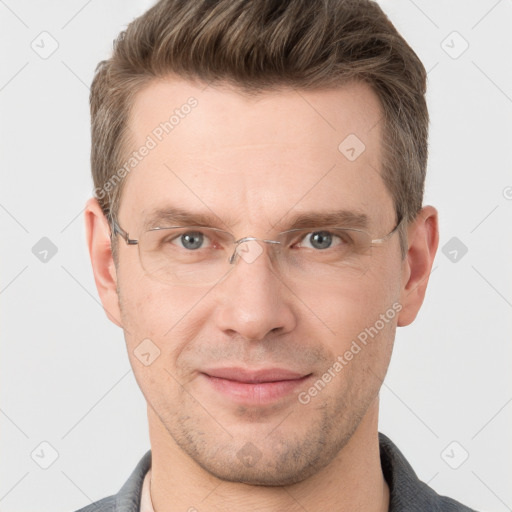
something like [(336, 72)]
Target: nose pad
[(248, 249)]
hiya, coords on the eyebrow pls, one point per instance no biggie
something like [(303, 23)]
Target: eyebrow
[(180, 217), (344, 218)]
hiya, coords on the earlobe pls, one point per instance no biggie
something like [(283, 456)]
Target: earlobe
[(98, 242), (423, 239)]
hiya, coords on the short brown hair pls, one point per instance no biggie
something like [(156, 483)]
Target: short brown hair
[(258, 45)]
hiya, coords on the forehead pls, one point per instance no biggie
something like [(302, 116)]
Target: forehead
[(215, 148)]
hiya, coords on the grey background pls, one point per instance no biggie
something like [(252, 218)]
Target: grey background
[(65, 375)]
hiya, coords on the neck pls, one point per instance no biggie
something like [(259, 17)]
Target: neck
[(352, 481)]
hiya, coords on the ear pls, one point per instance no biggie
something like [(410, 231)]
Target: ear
[(98, 241), (423, 239)]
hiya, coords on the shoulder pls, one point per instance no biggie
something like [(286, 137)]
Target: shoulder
[(104, 505), (407, 492), (129, 496)]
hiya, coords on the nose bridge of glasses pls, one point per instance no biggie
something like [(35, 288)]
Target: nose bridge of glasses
[(249, 249)]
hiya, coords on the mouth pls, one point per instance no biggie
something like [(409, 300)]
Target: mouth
[(258, 387)]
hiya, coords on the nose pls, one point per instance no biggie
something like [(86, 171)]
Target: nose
[(254, 301)]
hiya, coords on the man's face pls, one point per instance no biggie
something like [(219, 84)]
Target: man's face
[(255, 164)]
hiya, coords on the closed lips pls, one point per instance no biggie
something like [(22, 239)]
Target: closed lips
[(255, 376)]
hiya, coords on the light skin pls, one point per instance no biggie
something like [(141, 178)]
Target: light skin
[(255, 163)]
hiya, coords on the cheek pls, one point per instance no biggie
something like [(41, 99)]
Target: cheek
[(139, 307), (148, 307), (151, 320), (355, 309), (167, 316), (363, 313)]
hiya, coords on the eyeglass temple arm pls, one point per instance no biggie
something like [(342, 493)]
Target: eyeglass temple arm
[(116, 229), (391, 233)]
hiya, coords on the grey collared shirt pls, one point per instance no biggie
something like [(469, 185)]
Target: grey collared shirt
[(407, 492)]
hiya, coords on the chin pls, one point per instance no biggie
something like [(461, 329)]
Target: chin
[(273, 460), (262, 474)]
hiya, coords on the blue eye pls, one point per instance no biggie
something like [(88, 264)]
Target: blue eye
[(191, 240), (320, 240)]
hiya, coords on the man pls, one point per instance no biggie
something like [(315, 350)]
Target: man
[(258, 233)]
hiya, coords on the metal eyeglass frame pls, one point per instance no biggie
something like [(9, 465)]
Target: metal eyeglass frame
[(129, 241)]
